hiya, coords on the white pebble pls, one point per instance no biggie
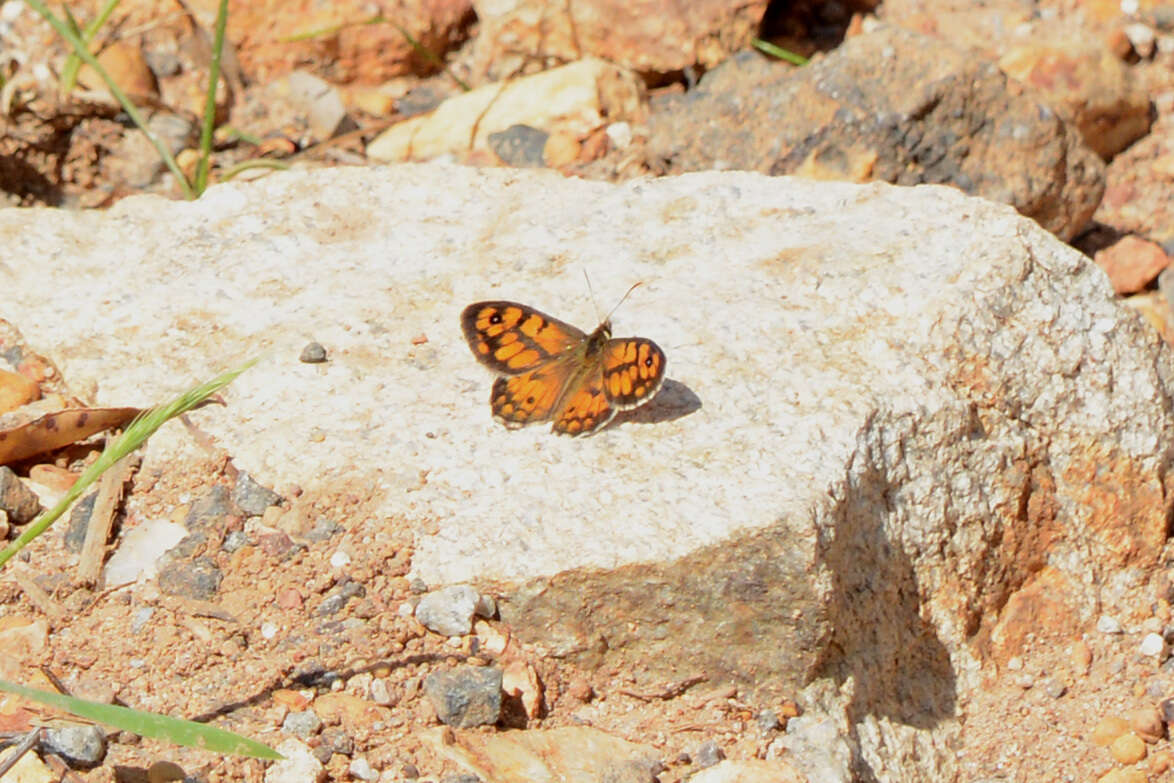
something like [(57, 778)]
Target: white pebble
[(268, 630), (1153, 645), (340, 559), (1107, 624)]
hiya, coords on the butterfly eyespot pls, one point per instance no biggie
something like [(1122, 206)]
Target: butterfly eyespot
[(648, 361), (495, 319)]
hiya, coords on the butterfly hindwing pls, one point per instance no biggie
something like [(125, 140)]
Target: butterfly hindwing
[(633, 371)]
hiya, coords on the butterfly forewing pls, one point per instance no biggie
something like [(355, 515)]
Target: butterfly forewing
[(511, 339), (633, 370)]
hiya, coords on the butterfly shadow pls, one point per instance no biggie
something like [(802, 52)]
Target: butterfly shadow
[(675, 400)]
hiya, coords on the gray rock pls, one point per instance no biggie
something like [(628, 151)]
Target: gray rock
[(19, 501), (934, 114), (519, 145), (313, 353), (465, 696), (449, 611), (251, 497), (298, 766), (210, 509), (198, 578), (303, 724), (79, 520), (323, 530), (82, 747), (337, 599), (708, 753), (361, 769), (141, 617), (234, 541)]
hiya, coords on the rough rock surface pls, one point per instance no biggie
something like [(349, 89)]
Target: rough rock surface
[(901, 426), (890, 105)]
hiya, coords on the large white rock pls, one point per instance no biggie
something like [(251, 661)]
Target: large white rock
[(890, 411)]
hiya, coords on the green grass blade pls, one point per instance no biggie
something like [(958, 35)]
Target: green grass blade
[(83, 51), (779, 52), (148, 724), (73, 62), (210, 99), (135, 435), (254, 163)]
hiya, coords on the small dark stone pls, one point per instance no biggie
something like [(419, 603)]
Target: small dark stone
[(1166, 709), (313, 353), (18, 500), (324, 530), (338, 741), (187, 546), (409, 771), (82, 747), (460, 777), (332, 603), (210, 509), (322, 753), (520, 145), (303, 724), (630, 771), (419, 100), (466, 696), (198, 578), (768, 720), (234, 541), (79, 521), (708, 753), (251, 497)]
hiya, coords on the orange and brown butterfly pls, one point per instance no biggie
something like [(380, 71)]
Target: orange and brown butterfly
[(550, 371)]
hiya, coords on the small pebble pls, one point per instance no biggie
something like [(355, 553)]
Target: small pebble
[(340, 559), (313, 353), (1015, 664), (1108, 730), (82, 747), (251, 497), (1107, 624), (381, 692), (1054, 688), (409, 771), (708, 753), (1128, 749), (1153, 646), (303, 724), (466, 696), (361, 769), (1081, 657), (140, 618), (768, 720), (268, 630), (449, 611), (1166, 710), (234, 541), (1147, 724), (1025, 681)]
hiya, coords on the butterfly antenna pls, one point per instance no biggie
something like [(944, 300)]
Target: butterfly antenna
[(622, 298), (591, 292)]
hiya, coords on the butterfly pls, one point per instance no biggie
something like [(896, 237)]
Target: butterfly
[(550, 371)]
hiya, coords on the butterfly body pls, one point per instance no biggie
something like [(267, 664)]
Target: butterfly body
[(549, 370)]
